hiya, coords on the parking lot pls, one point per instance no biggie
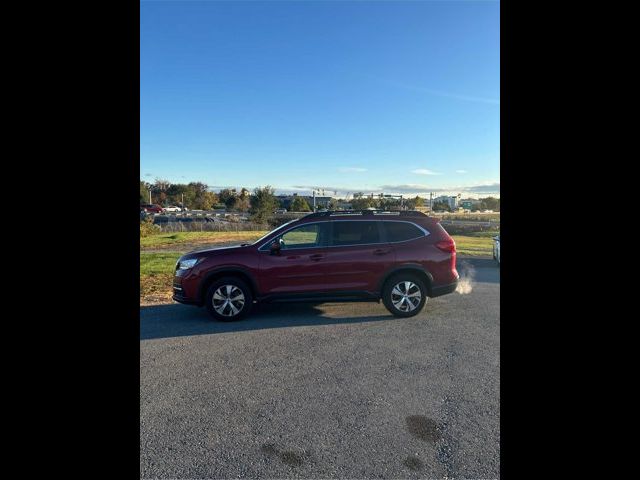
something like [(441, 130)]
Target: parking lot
[(325, 391)]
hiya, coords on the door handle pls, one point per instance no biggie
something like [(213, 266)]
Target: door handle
[(381, 251), (316, 256)]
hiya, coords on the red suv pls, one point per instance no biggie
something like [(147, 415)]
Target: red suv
[(151, 208), (400, 258)]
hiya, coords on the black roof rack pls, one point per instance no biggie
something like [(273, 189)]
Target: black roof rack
[(353, 213)]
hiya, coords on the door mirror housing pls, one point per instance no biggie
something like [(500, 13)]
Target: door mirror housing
[(276, 246)]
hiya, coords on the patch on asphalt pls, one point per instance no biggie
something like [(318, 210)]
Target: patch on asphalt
[(287, 457), (423, 428), (413, 463)]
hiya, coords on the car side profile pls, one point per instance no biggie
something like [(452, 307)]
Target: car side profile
[(172, 209), (150, 208), (399, 258)]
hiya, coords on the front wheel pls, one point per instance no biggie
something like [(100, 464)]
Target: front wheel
[(404, 295), (229, 299)]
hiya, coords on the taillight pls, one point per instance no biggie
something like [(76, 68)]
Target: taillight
[(448, 245)]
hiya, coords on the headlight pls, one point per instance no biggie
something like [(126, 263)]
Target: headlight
[(187, 264)]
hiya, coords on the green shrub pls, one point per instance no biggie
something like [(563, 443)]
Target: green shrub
[(147, 227)]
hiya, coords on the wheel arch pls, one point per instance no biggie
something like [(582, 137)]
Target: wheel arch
[(238, 272), (414, 269)]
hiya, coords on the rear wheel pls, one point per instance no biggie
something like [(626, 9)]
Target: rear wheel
[(404, 295), (228, 299)]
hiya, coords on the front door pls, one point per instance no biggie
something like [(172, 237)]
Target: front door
[(299, 266)]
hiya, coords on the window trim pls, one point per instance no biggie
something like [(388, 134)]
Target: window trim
[(383, 239)]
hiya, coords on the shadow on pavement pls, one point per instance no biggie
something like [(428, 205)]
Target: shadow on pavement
[(175, 320)]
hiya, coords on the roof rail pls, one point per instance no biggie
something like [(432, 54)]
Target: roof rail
[(333, 213)]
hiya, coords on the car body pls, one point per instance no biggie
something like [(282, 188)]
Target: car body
[(172, 209), (400, 258), (496, 248), (151, 208), (280, 210)]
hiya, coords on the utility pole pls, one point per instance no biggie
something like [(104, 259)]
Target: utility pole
[(150, 202), (314, 200), (183, 200)]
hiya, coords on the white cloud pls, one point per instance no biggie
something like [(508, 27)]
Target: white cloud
[(351, 169), (412, 189), (484, 188), (424, 171), (415, 189), (461, 171)]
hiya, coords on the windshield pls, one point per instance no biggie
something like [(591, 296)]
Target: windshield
[(273, 231)]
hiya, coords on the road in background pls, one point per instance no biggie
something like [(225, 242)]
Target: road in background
[(325, 391)]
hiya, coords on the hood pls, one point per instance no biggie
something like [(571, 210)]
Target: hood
[(209, 252)]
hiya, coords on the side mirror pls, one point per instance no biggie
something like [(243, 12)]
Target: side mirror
[(276, 246)]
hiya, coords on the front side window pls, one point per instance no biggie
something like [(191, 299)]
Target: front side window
[(354, 233), (305, 236), (401, 231), (281, 227)]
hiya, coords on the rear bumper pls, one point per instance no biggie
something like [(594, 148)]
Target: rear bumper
[(443, 289)]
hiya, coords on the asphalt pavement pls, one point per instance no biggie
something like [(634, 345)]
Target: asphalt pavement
[(325, 391)]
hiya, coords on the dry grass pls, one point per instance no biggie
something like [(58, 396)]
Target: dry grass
[(169, 240), (155, 288)]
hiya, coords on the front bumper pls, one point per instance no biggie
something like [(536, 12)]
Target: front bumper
[(440, 290), (180, 297)]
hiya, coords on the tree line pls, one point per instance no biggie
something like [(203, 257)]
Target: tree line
[(196, 196), (262, 201)]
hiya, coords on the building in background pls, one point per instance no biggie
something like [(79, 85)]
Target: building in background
[(451, 201), (470, 203), (321, 202)]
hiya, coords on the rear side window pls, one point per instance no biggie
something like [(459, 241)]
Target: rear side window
[(354, 233), (401, 231)]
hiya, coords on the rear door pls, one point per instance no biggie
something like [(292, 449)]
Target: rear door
[(356, 256), (408, 241), (299, 267)]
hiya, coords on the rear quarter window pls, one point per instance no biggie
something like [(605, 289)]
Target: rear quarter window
[(401, 231)]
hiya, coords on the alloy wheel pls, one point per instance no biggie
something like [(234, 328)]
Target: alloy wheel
[(228, 300), (406, 296)]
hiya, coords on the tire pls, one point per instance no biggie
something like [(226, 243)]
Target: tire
[(222, 310), (391, 299)]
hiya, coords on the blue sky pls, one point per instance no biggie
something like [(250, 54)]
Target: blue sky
[(393, 96)]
